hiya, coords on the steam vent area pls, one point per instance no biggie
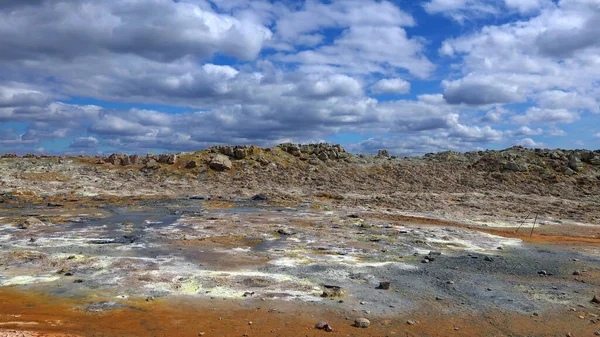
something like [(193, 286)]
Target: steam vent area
[(301, 240)]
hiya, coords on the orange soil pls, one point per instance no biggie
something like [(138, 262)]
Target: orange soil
[(49, 317), (545, 234)]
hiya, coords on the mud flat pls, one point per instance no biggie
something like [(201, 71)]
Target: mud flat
[(242, 267)]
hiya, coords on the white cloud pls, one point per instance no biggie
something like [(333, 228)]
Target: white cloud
[(545, 116), (528, 142), (524, 131), (391, 86)]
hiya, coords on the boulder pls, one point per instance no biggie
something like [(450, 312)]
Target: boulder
[(220, 163), (362, 323), (167, 158), (151, 164), (191, 164), (515, 167), (383, 153), (575, 164), (10, 156)]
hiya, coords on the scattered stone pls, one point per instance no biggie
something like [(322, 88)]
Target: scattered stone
[(595, 299), (285, 232), (385, 285), (151, 164), (489, 259), (362, 323), (332, 291), (321, 325), (259, 197), (248, 294), (220, 163), (411, 322), (577, 273), (191, 164), (449, 282), (543, 273)]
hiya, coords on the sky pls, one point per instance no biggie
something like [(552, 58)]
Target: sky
[(101, 76)]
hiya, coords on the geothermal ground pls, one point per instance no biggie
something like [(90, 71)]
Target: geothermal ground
[(273, 243)]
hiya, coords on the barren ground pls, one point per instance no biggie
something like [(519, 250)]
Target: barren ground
[(279, 242)]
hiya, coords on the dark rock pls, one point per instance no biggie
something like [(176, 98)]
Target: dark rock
[(324, 325), (259, 197), (595, 299), (385, 285), (383, 153), (191, 164)]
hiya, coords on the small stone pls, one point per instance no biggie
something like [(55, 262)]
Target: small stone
[(328, 328), (191, 164), (425, 261), (449, 282), (411, 322), (581, 317), (385, 285), (489, 259), (535, 314), (321, 325), (542, 273), (437, 298), (577, 273), (201, 333), (595, 299), (362, 323), (250, 323)]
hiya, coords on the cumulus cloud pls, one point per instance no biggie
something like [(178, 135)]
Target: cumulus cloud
[(528, 142), (262, 72), (480, 91), (391, 86), (158, 29), (545, 116), (84, 143)]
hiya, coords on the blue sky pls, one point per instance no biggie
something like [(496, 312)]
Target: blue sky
[(96, 77)]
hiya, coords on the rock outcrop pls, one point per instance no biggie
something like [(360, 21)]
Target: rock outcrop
[(220, 163), (322, 151)]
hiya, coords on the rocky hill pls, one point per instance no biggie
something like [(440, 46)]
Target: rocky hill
[(563, 184)]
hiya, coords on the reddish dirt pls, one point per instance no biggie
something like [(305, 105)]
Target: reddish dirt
[(34, 315), (545, 234)]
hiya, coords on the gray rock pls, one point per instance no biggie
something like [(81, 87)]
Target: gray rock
[(362, 323), (167, 158), (323, 156), (151, 164), (220, 163), (569, 172), (575, 164), (383, 153), (515, 167)]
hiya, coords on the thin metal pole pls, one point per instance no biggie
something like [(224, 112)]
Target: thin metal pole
[(522, 222), (532, 228)]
